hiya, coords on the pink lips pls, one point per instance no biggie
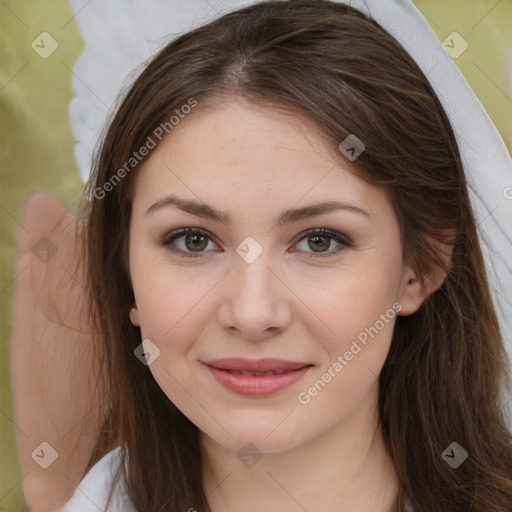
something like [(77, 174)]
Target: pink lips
[(256, 377)]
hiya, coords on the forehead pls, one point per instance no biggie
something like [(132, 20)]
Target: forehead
[(240, 140), (238, 129), (240, 154)]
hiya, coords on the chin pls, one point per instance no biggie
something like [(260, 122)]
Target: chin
[(267, 436)]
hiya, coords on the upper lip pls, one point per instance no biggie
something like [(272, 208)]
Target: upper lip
[(255, 365)]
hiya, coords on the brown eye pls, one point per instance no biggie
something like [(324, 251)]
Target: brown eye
[(320, 240), (187, 242), (319, 243), (195, 242)]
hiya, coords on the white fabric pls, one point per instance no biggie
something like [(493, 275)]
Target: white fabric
[(92, 492)]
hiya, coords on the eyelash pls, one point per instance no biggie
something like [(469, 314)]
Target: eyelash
[(344, 241)]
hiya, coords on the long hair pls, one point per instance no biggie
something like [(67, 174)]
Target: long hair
[(446, 371)]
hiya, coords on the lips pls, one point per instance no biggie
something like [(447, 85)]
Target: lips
[(255, 374), (237, 364), (256, 377)]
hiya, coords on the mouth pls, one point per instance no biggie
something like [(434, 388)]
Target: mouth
[(255, 374), (256, 377)]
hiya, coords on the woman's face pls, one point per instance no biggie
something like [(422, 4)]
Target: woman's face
[(307, 317)]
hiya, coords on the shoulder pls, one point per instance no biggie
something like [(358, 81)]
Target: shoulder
[(92, 492)]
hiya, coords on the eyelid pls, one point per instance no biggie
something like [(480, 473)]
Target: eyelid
[(175, 234), (343, 240)]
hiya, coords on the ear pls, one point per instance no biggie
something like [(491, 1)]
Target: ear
[(134, 317), (414, 290)]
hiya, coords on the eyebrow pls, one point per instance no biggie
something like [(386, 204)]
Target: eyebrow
[(286, 217)]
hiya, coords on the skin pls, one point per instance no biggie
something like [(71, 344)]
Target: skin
[(48, 307), (290, 303)]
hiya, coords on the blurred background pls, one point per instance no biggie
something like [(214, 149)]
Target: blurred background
[(37, 143)]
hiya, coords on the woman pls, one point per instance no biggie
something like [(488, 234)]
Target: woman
[(249, 368)]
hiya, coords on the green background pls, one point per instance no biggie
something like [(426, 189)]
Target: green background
[(37, 143)]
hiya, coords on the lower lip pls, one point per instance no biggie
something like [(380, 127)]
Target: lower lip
[(250, 385)]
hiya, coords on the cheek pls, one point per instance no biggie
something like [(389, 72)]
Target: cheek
[(360, 312), (173, 309), (350, 304), (172, 304), (166, 293)]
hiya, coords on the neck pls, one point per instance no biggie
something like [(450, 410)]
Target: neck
[(347, 469)]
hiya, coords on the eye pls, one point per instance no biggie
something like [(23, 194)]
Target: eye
[(194, 240), (319, 240)]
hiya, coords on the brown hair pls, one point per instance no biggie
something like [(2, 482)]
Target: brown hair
[(443, 377)]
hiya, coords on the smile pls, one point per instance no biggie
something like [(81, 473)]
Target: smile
[(256, 377)]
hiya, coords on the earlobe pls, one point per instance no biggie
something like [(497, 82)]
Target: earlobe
[(134, 315), (415, 290), (413, 293)]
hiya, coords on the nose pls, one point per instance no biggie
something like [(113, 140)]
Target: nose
[(256, 302)]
